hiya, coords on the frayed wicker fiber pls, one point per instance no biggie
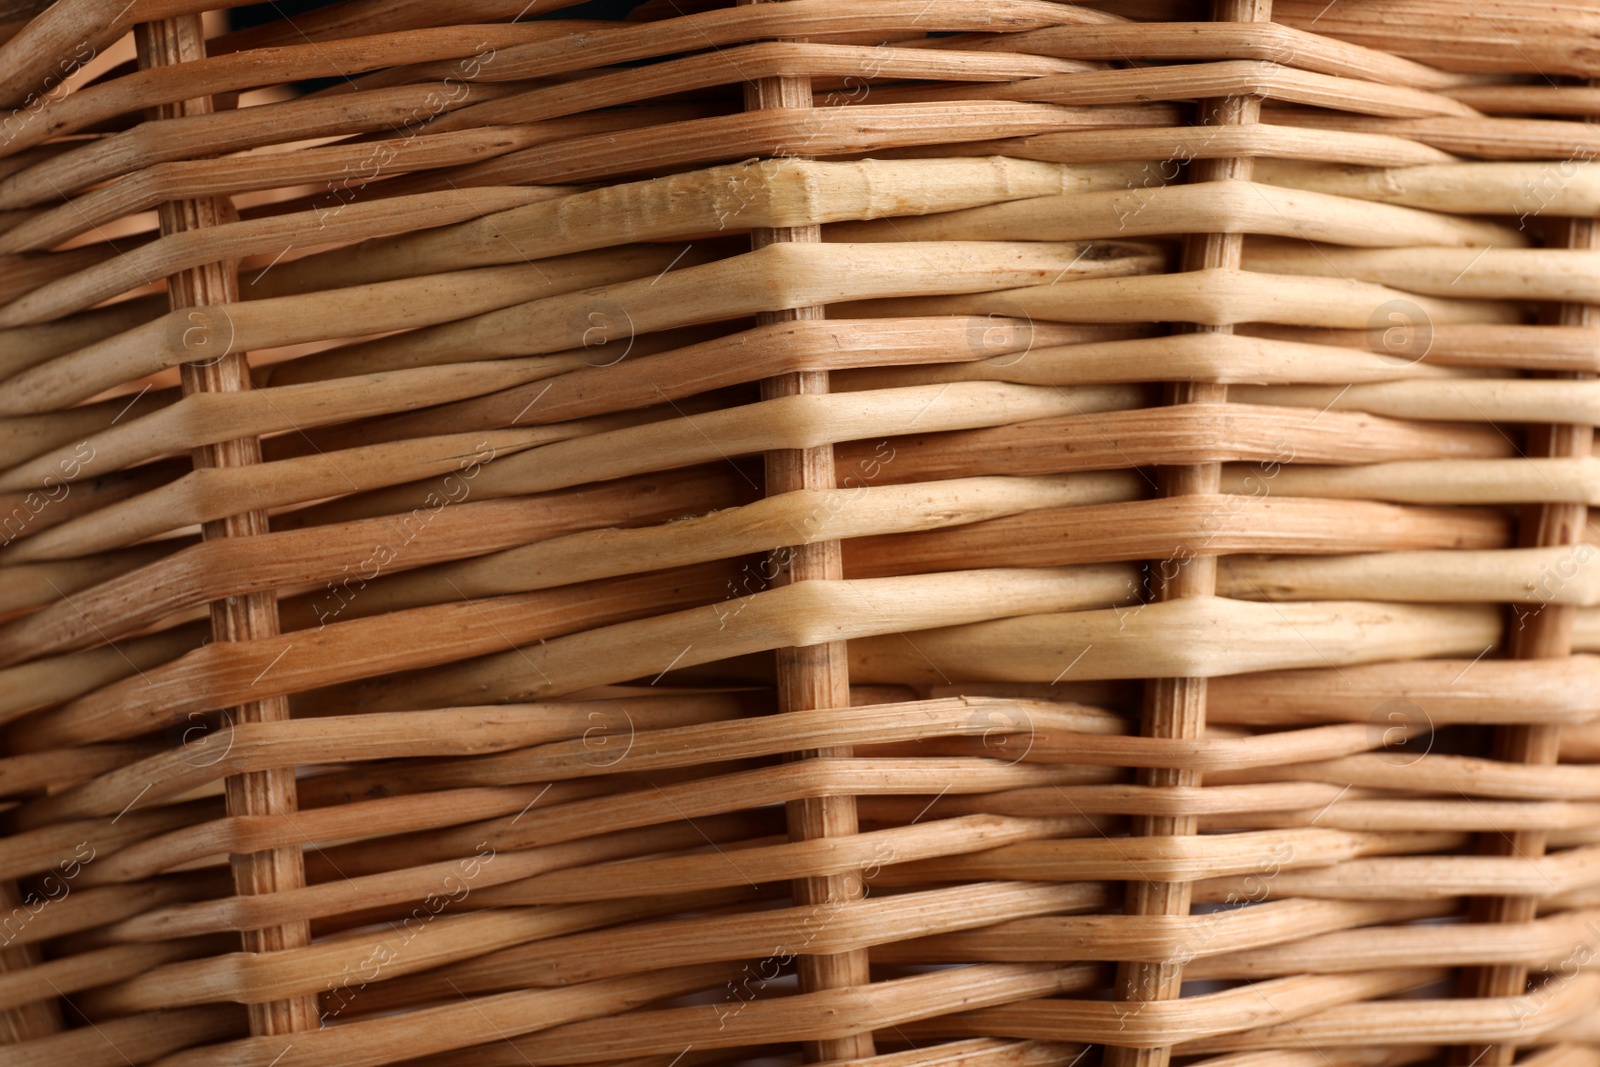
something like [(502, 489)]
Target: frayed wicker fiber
[(899, 533)]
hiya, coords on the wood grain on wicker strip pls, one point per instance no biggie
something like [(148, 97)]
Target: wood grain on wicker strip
[(1225, 206), (1158, 1024), (1158, 145), (451, 939), (202, 419), (1391, 1056), (466, 1022), (1549, 577), (753, 62), (1520, 189), (646, 375), (1472, 815), (589, 49), (1267, 42), (866, 128), (1544, 944), (1109, 441), (546, 874), (390, 816), (1177, 529), (771, 192), (86, 163), (1474, 777), (28, 346), (236, 977), (1100, 534), (207, 494), (1212, 803), (101, 441), (1270, 1016), (233, 240), (676, 589), (43, 682), (472, 813), (1236, 77), (736, 831), (1023, 649), (1231, 359), (145, 1036), (28, 435), (1518, 1019), (1026, 844), (1116, 440), (1028, 1053), (1049, 732), (1211, 296), (1437, 481), (85, 970), (34, 511), (1458, 399), (1525, 37), (797, 518), (29, 774), (492, 1019), (36, 851), (345, 558), (81, 372), (975, 776), (1273, 929), (356, 163), (1490, 273), (792, 615), (94, 907), (480, 464), (1221, 637), (1482, 138), (245, 70), (556, 960), (787, 275)]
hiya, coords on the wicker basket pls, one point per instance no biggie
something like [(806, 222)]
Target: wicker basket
[(887, 532)]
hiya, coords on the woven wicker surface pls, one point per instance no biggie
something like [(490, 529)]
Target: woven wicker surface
[(899, 532)]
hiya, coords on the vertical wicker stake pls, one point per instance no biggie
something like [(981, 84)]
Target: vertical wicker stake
[(1546, 634), (165, 43), (816, 676), (1176, 707)]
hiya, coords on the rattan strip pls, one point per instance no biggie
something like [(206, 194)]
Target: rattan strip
[(1176, 707), (1007, 506), (816, 676), (167, 44), (1542, 633)]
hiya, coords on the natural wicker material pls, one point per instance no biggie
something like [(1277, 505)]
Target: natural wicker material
[(887, 532)]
